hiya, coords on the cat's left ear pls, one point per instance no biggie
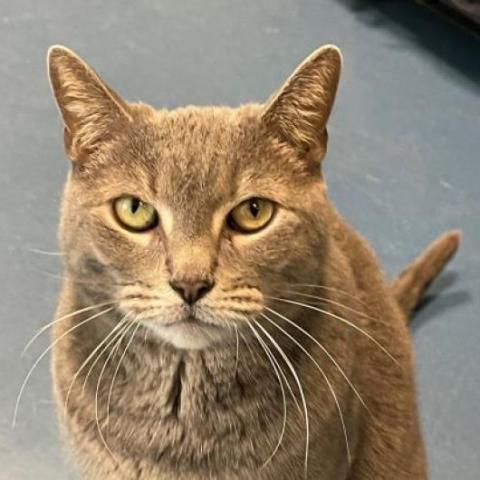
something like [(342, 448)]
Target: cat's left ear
[(298, 112), (91, 110)]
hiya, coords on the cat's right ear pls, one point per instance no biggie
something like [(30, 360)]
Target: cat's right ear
[(299, 111), (91, 110)]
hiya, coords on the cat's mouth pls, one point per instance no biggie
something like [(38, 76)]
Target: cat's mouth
[(191, 317), (190, 331), (190, 320)]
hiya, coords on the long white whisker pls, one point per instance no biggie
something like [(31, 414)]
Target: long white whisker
[(44, 252), (252, 355), (39, 359), (97, 419), (112, 335), (341, 319), (245, 341), (64, 317), (327, 381), (300, 388), (280, 382), (331, 289), (117, 368), (90, 370), (287, 383), (332, 302), (323, 348)]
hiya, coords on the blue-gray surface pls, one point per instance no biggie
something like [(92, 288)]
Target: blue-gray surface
[(403, 166)]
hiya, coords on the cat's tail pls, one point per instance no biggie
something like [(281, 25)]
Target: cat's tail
[(411, 284)]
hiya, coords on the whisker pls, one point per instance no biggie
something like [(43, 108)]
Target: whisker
[(324, 349), (290, 390), (245, 341), (92, 366), (280, 382), (331, 302), (76, 280), (45, 352), (325, 377), (237, 349), (117, 330), (143, 297), (341, 319), (44, 252), (287, 383), (56, 276), (300, 388), (64, 317), (145, 335), (331, 289), (117, 368), (97, 419)]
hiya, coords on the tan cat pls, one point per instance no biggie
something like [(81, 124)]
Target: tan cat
[(219, 319)]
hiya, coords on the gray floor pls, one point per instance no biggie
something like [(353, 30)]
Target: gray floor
[(403, 166)]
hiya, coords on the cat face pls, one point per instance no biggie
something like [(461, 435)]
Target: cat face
[(190, 219)]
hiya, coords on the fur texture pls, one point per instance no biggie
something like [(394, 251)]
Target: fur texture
[(150, 388)]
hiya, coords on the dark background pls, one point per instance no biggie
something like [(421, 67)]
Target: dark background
[(403, 166)]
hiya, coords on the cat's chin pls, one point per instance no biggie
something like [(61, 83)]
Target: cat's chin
[(189, 335)]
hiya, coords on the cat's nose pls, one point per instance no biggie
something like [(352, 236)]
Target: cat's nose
[(192, 291)]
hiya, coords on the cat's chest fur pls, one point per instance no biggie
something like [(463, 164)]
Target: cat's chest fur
[(198, 414)]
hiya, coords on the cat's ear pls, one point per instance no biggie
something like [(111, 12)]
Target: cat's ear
[(299, 111), (91, 111)]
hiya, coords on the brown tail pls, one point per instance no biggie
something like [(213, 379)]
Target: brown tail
[(410, 285)]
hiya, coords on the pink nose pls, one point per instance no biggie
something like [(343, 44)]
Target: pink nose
[(192, 291)]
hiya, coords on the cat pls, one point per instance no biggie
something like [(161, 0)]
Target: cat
[(218, 318)]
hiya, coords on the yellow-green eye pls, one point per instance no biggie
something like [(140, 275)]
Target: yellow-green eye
[(134, 214), (251, 215)]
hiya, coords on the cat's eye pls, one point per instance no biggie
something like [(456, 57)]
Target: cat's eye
[(135, 214), (251, 215)]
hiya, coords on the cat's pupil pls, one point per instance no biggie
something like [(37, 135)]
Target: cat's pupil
[(134, 205), (254, 208)]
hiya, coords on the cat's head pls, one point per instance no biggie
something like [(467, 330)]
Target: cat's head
[(190, 219)]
